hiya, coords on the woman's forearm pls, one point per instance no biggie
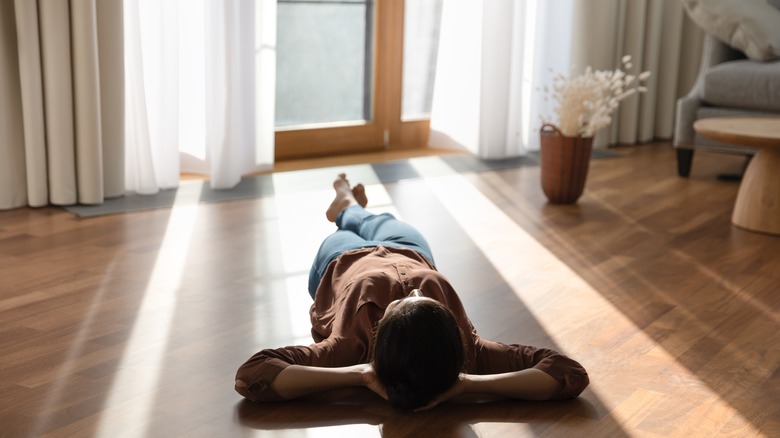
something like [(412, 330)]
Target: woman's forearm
[(528, 384), (298, 380)]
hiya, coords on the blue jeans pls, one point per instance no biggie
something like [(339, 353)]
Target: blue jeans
[(360, 229)]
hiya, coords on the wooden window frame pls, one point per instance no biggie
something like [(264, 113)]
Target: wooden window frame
[(385, 130)]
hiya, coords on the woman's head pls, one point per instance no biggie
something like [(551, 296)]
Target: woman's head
[(418, 351)]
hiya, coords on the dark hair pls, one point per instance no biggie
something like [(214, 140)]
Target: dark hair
[(418, 353)]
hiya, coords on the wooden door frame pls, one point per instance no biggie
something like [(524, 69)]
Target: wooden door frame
[(385, 130)]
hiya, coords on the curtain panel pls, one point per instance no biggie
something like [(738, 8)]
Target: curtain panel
[(62, 102), (495, 58), (660, 38), (200, 91)]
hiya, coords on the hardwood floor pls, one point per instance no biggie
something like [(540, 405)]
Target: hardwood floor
[(134, 324)]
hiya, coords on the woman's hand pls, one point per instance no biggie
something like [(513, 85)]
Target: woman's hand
[(460, 387), (370, 380)]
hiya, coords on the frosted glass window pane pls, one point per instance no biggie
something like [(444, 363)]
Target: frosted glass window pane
[(324, 61)]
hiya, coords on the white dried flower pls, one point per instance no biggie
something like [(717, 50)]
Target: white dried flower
[(585, 103)]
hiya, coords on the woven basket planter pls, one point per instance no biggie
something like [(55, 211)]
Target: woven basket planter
[(565, 163)]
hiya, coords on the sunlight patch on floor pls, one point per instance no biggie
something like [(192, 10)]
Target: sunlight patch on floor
[(340, 431), (298, 303), (129, 405), (539, 278), (347, 430), (75, 351)]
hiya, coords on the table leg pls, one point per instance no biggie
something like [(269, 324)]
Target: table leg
[(758, 202)]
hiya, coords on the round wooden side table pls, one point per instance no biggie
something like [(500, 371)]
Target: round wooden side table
[(757, 207)]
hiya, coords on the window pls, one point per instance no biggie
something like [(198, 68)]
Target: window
[(340, 70)]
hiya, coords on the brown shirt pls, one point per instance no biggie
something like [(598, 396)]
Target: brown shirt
[(352, 296)]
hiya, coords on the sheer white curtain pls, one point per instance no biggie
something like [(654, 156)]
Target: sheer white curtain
[(495, 57), (200, 90)]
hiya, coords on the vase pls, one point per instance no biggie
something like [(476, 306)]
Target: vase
[(565, 163)]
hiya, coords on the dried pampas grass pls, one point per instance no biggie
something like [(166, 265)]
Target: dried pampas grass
[(585, 102)]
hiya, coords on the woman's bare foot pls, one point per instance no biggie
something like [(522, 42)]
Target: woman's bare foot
[(344, 197), (359, 192)]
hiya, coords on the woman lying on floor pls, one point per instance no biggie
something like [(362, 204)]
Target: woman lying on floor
[(384, 318)]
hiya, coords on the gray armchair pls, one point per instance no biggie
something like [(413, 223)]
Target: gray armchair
[(728, 85)]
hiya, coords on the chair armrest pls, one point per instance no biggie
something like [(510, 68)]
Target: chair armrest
[(714, 52)]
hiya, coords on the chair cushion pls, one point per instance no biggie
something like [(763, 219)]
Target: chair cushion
[(751, 26), (743, 84)]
